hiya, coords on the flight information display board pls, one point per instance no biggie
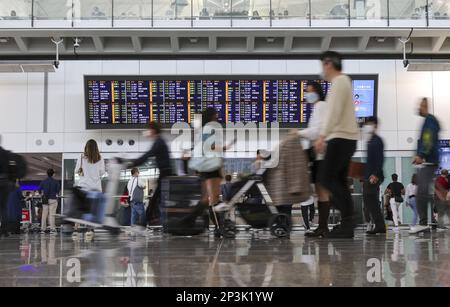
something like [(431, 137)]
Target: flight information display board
[(132, 102)]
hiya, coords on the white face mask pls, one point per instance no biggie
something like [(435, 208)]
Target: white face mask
[(368, 129), (312, 97)]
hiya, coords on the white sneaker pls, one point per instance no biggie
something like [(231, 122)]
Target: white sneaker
[(89, 235), (396, 229), (441, 229), (418, 229), (53, 232)]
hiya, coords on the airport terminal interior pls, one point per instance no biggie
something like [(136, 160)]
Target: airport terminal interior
[(224, 143)]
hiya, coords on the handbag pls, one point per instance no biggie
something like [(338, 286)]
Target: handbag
[(398, 199), (205, 164)]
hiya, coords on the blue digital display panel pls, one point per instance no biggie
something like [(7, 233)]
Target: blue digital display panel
[(132, 102)]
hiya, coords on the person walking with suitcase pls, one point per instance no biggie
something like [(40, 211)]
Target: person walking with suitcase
[(396, 191), (338, 137)]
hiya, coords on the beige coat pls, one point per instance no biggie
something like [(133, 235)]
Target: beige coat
[(289, 182)]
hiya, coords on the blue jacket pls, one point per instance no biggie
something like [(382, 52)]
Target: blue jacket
[(15, 199), (375, 158), (50, 187), (428, 146)]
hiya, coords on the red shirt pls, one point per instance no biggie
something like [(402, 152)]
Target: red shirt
[(441, 186)]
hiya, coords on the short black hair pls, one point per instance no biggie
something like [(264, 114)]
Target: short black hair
[(394, 177), (318, 89), (208, 115), (155, 126), (50, 172), (228, 178), (334, 58), (372, 119)]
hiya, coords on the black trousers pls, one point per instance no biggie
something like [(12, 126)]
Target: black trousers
[(334, 177), (3, 209), (371, 197), (425, 185)]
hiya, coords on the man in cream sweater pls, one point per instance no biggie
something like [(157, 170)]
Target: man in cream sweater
[(338, 137)]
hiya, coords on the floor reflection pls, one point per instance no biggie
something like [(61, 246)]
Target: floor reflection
[(256, 261)]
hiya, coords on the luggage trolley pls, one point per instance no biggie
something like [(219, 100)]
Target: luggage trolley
[(259, 215)]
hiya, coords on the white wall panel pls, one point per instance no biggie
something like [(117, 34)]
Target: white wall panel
[(45, 142), (351, 66), (13, 102), (120, 67), (407, 140), (244, 67), (411, 88), (192, 67), (115, 137), (303, 67), (272, 67), (74, 120), (218, 67), (35, 103), (16, 142), (75, 142), (158, 67), (56, 99)]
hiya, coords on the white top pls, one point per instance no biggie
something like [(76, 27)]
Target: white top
[(411, 190), (133, 183), (312, 133), (309, 202), (91, 180), (340, 121)]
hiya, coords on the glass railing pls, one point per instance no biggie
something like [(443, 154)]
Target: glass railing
[(224, 13)]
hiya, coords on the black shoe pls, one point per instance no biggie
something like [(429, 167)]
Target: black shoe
[(317, 233), (341, 233), (376, 230)]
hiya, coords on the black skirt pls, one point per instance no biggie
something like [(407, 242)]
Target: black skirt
[(211, 175)]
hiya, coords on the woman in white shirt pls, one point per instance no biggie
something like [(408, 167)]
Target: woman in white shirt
[(316, 97), (90, 168), (411, 192)]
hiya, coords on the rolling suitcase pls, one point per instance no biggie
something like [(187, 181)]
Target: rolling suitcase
[(182, 212)]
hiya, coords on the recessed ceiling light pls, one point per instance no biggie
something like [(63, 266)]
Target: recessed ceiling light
[(193, 40), (4, 40), (270, 40)]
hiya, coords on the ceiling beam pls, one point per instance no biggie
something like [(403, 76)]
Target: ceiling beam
[(325, 45), (363, 42), (137, 44), (98, 43), (250, 43), (288, 41), (437, 43), (174, 44), (212, 43), (21, 43)]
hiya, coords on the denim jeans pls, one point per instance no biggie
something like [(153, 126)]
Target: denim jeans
[(137, 213), (413, 205)]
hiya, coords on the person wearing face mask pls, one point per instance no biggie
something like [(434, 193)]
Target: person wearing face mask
[(315, 96), (338, 135), (160, 151), (427, 161), (373, 175)]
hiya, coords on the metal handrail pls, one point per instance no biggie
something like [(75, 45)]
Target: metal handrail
[(270, 18)]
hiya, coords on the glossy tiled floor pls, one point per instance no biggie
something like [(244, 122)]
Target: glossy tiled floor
[(391, 260)]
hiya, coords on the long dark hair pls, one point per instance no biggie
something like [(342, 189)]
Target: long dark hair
[(208, 115), (318, 89), (91, 152)]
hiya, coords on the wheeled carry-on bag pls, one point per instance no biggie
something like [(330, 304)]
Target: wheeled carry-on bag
[(182, 212)]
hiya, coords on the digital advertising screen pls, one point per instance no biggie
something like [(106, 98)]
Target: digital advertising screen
[(132, 102)]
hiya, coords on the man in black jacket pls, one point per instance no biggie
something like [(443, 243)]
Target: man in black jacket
[(160, 151), (373, 176), (4, 185)]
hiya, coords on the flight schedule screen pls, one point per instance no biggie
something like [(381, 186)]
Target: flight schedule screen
[(134, 101)]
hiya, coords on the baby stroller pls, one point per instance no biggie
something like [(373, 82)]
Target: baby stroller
[(251, 199)]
